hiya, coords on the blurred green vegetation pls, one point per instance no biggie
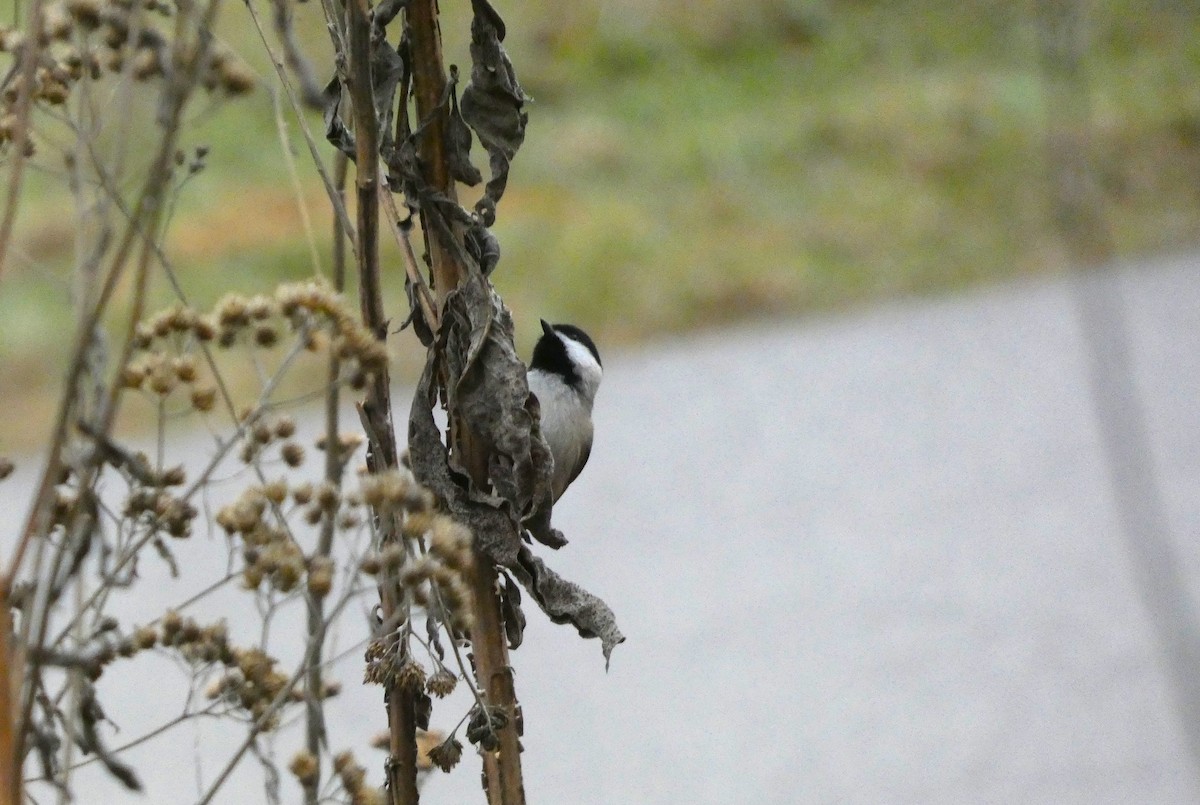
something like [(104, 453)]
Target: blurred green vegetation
[(691, 163)]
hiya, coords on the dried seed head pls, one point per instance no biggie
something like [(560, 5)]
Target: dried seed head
[(11, 40), (86, 12), (260, 307), (232, 311), (392, 556), (162, 379), (276, 491), (172, 622), (411, 677), (185, 368), (292, 453), (132, 376), (286, 577), (447, 754), (302, 494), (236, 78), (320, 576), (266, 336), (205, 328), (54, 93), (285, 427), (305, 768), (56, 22), (203, 399), (441, 683), (173, 476), (252, 577), (328, 496), (371, 565), (343, 761), (146, 64), (261, 432)]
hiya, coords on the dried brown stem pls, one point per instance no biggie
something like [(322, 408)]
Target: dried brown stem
[(402, 723), (26, 69), (502, 769), (10, 777), (314, 716)]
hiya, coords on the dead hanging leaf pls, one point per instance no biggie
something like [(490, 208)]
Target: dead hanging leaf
[(484, 247), (493, 104), (336, 131), (387, 71), (459, 135), (566, 602), (494, 528), (514, 618), (487, 387)]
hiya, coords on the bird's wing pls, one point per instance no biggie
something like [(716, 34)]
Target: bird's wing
[(584, 452)]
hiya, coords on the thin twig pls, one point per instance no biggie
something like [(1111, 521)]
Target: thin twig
[(30, 54), (334, 199)]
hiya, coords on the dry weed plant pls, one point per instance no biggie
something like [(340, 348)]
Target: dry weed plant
[(305, 544)]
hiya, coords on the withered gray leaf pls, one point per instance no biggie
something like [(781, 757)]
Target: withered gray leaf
[(493, 104), (383, 14), (487, 387), (495, 532), (432, 633), (422, 710), (335, 128), (484, 247), (459, 145), (387, 70), (566, 602), (514, 618)]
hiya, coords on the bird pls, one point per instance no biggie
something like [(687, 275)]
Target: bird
[(564, 374)]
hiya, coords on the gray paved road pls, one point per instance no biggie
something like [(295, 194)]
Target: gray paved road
[(870, 558)]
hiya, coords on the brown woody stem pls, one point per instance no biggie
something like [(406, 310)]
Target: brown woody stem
[(402, 725), (502, 769)]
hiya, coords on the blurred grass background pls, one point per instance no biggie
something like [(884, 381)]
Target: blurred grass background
[(693, 163)]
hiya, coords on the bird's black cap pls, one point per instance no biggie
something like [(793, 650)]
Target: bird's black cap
[(550, 354)]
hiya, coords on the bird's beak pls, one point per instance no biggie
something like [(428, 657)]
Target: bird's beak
[(546, 328)]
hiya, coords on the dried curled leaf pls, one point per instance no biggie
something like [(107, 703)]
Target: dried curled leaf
[(486, 387), (493, 104), (458, 154), (336, 132), (514, 618), (566, 602)]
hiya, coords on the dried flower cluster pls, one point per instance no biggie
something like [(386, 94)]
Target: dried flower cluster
[(436, 579), (354, 780), (96, 37), (160, 510), (446, 754), (268, 549), (197, 644), (252, 682)]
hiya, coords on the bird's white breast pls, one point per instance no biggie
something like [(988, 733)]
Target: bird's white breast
[(566, 425)]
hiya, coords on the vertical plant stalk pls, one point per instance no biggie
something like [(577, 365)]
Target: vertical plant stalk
[(314, 717), (10, 776), (502, 770), (1078, 209), (401, 704)]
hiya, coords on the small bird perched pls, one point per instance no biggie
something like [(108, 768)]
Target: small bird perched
[(564, 374)]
